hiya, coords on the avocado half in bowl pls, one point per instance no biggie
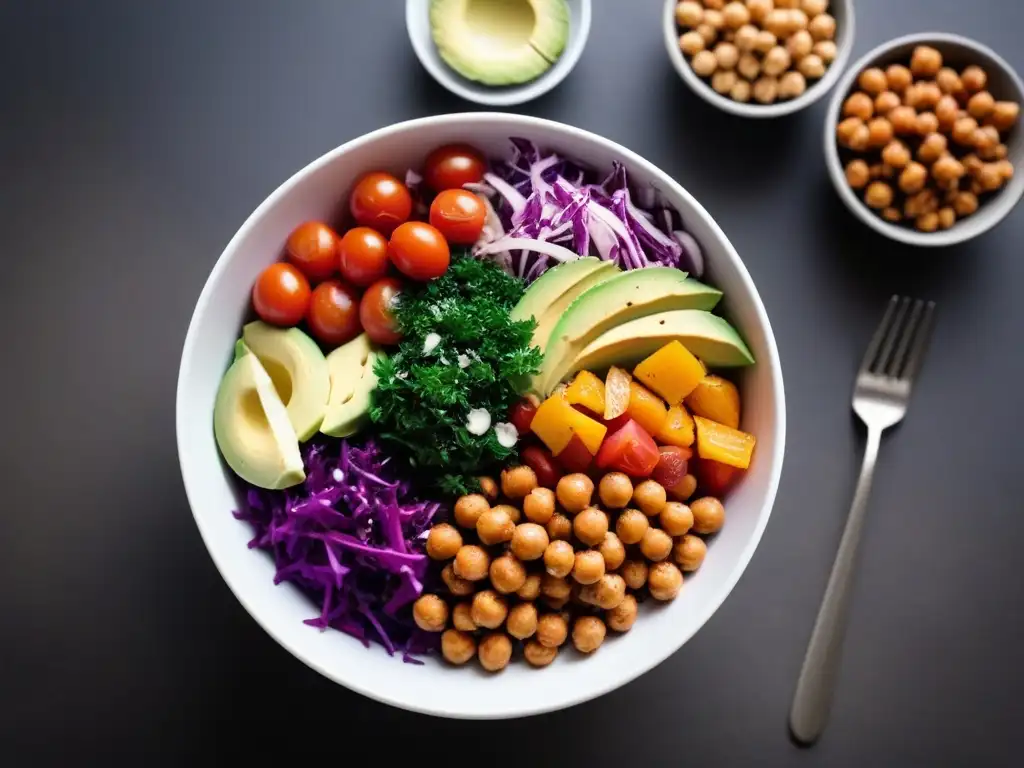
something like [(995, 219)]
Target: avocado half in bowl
[(498, 52), (318, 192)]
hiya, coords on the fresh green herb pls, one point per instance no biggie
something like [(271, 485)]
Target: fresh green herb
[(461, 351)]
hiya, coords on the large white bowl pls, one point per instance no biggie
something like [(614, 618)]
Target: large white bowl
[(319, 191)]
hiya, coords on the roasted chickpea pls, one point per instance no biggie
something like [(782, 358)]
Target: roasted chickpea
[(443, 542), (814, 7), (799, 44), (811, 67), (522, 621), (538, 655), (469, 508), (529, 541), (947, 218), (723, 81), (925, 61), (555, 587), (575, 491), (590, 526), (494, 526), (860, 139), (531, 588), (948, 81), (881, 171), (708, 513), (787, 4), (713, 17), (746, 38), (1005, 169), (963, 130), (634, 572), (847, 128), (488, 609), (765, 41), (559, 558), (676, 519), (552, 629), (589, 567), (998, 152), (559, 527), (972, 163), (974, 79), (615, 490), (759, 9), (709, 33), (985, 138), (927, 123), (512, 512), (980, 105), (886, 102), (430, 613), (689, 552), (684, 489), (622, 617), (898, 77), (457, 585), (904, 120), (776, 61), (516, 482), (1004, 115), (495, 651), (740, 91), (880, 132), (689, 13), (539, 505), (990, 177), (556, 603), (656, 544), (609, 591), (927, 222), (797, 21), (825, 50), (932, 148), (507, 574), (965, 203), (823, 27), (664, 581), (857, 175), (631, 526), (792, 85), (457, 646), (923, 202), (896, 154), (749, 66), (587, 634), (736, 15), (691, 43), (946, 112), (929, 94), (892, 214), (727, 55), (947, 169), (650, 497), (613, 551), (912, 180), (471, 562), (462, 617), (777, 22)]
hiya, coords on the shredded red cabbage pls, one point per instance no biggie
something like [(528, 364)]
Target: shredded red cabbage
[(352, 538)]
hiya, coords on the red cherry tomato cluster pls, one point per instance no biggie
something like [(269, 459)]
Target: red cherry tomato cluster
[(353, 290)]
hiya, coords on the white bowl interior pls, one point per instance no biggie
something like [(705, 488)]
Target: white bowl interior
[(417, 21), (316, 193)]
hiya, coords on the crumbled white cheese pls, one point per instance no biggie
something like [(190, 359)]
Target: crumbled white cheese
[(435, 310), (464, 361), (430, 343), (402, 375), (506, 434), (442, 360), (338, 475), (478, 421)]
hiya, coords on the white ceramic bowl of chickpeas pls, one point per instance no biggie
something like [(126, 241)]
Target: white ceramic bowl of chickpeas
[(759, 58), (923, 136)]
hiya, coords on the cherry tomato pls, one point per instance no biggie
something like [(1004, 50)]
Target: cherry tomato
[(575, 457), (630, 450), (375, 311), (363, 254), (539, 460), (312, 247), (459, 215), (419, 251), (614, 425), (451, 166), (380, 201), (715, 478), (281, 295), (333, 314), (521, 415), (672, 465)]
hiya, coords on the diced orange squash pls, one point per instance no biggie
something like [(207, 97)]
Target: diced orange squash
[(646, 408), (672, 372), (616, 393), (677, 429), (723, 444), (717, 399), (587, 390), (557, 421)]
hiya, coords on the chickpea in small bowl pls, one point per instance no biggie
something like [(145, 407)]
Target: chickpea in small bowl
[(922, 139)]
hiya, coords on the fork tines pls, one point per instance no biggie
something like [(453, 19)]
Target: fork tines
[(899, 343)]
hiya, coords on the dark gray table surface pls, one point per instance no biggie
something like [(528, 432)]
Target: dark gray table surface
[(135, 137)]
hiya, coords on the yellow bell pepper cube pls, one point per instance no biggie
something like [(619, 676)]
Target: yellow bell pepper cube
[(677, 429), (646, 408), (556, 421), (673, 372), (587, 390), (723, 444), (717, 399)]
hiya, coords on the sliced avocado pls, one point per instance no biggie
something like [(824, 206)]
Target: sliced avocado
[(252, 428), (241, 350), (298, 369), (552, 293), (352, 381), (707, 336), (500, 42), (624, 297)]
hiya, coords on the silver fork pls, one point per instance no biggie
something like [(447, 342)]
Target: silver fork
[(880, 399)]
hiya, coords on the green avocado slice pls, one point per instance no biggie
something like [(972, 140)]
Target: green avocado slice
[(352, 382)]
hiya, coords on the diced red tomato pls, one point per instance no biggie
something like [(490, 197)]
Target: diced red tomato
[(521, 415), (614, 425), (715, 478), (630, 450), (575, 457), (539, 459), (672, 465)]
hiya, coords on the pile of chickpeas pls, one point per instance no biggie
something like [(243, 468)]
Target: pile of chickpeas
[(766, 50), (924, 142), (548, 566)]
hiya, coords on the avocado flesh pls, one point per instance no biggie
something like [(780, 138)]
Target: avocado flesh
[(253, 431), (352, 381), (625, 297), (298, 369), (240, 350), (707, 336), (499, 42)]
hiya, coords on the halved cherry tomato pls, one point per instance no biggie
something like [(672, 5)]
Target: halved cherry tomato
[(715, 478), (363, 256), (630, 450), (375, 311), (672, 465), (614, 425), (575, 457), (539, 460), (521, 415), (380, 201), (333, 314), (459, 215), (419, 251), (312, 247), (281, 295), (452, 166)]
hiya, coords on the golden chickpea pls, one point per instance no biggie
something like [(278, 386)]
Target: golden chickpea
[(631, 526), (552, 629), (494, 526), (974, 79), (1005, 169), (990, 177), (689, 13), (881, 171), (622, 617), (575, 491), (746, 38), (1004, 115), (948, 81), (736, 15), (963, 130), (708, 513), (981, 105), (462, 618), (823, 27), (507, 574), (792, 85), (965, 203), (975, 187), (797, 21), (471, 562), (759, 9), (777, 22), (556, 603), (489, 488), (559, 527), (587, 634), (709, 33), (749, 66), (740, 91), (559, 558), (998, 152), (469, 508), (689, 552), (932, 148), (776, 61), (947, 169), (811, 67), (716, 5), (443, 542), (985, 138), (615, 490), (912, 180), (880, 132), (946, 112), (609, 591), (927, 222), (765, 41), (634, 572), (676, 519), (684, 489), (787, 4), (522, 621), (691, 43), (539, 505), (921, 203), (589, 567), (898, 77), (457, 647), (457, 585), (495, 651), (531, 588), (929, 94), (489, 609), (512, 512), (972, 163), (656, 545), (892, 214), (538, 655), (723, 81), (925, 61), (825, 50), (927, 123), (860, 139), (713, 18), (529, 540), (613, 551), (814, 7), (727, 55), (895, 154), (650, 497), (555, 587), (516, 482), (799, 44), (947, 218), (904, 120), (886, 102), (857, 175), (430, 613), (664, 581), (590, 526)]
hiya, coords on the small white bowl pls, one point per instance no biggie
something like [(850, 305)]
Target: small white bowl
[(842, 10), (417, 21), (1004, 84)]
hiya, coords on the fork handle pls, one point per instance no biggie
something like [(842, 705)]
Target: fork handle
[(814, 689)]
